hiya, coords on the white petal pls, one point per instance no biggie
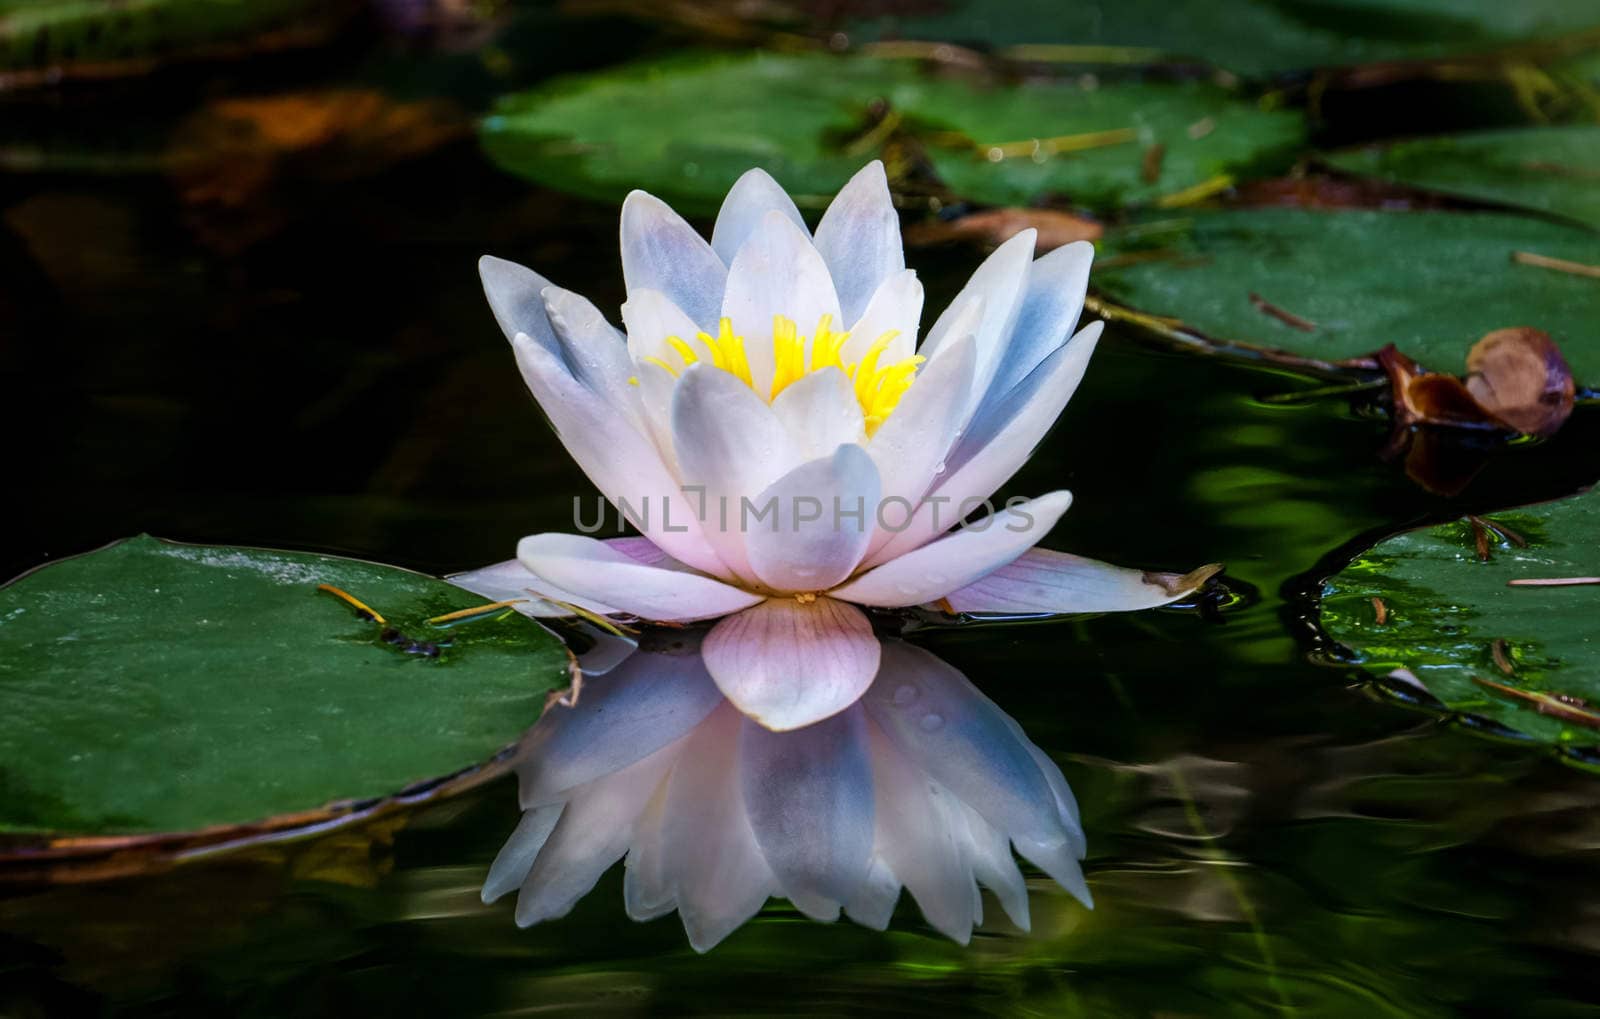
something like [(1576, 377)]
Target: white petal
[(916, 839), (621, 461), (662, 252), (820, 413), (859, 238), (808, 795), (712, 861), (911, 446), (512, 580), (593, 570), (777, 272), (874, 904), (1027, 410), (953, 562), (595, 352), (1001, 281), (1060, 862), (1066, 803), (989, 852), (644, 552), (819, 519), (511, 865), (593, 833), (650, 317), (996, 445), (1049, 312), (895, 307), (1044, 581), (645, 891), (730, 446), (647, 702), (752, 196), (788, 664), (963, 741), (515, 296)]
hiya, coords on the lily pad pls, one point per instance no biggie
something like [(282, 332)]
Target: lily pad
[(1252, 37), (154, 688), (1328, 289), (46, 34), (687, 127), (1551, 169), (1527, 658)]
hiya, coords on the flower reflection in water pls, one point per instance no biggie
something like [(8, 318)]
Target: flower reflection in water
[(924, 784)]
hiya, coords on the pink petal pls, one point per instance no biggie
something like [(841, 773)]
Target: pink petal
[(788, 664), (592, 569), (1044, 581)]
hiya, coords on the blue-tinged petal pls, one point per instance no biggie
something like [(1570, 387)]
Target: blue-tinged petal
[(859, 238), (642, 705), (660, 251), (916, 840), (752, 196), (516, 296), (713, 864), (809, 797), (963, 741), (594, 831)]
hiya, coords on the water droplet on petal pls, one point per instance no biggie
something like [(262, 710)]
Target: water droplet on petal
[(931, 721), (905, 694)]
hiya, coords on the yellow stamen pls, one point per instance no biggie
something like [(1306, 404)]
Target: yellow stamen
[(684, 350), (878, 388), (660, 363)]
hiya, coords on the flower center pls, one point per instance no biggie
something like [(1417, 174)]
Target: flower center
[(878, 387)]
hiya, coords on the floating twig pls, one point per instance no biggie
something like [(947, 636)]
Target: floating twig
[(1501, 652), (1150, 165), (1198, 193), (1564, 707), (1558, 264), (1480, 537), (473, 614), (363, 610), (1552, 581), (1288, 318), (1036, 147)]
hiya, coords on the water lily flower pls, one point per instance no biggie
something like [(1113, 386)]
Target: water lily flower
[(923, 783), (787, 449)]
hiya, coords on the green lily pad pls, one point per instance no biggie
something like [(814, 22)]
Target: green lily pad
[(1430, 282), (1251, 37), (1445, 609), (158, 688), (1551, 169), (687, 127), (38, 34)]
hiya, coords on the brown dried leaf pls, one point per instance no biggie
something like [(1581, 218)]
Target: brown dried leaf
[(1427, 398), (993, 227), (1519, 376)]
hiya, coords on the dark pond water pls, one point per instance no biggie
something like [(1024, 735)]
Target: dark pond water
[(316, 368)]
